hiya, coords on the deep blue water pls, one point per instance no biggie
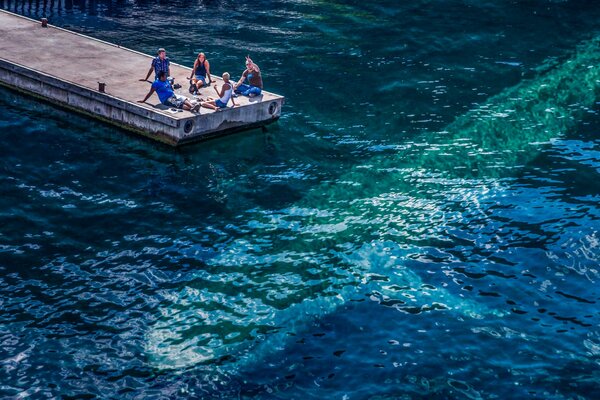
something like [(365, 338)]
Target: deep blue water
[(350, 251)]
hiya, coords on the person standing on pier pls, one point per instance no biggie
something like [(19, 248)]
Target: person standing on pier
[(200, 72), (160, 63), (167, 96), (252, 73)]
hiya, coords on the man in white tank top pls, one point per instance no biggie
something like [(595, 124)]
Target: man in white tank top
[(225, 95)]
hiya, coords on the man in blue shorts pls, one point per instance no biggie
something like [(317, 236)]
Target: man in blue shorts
[(167, 96), (160, 63)]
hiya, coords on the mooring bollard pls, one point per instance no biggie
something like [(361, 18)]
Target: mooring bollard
[(44, 22), (101, 87)]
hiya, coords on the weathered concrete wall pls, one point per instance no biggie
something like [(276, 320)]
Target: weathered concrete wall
[(91, 103)]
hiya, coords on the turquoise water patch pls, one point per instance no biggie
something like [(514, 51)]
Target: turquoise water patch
[(421, 223)]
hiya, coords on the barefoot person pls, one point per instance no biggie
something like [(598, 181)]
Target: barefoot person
[(160, 63), (200, 72), (255, 83), (224, 96), (167, 96)]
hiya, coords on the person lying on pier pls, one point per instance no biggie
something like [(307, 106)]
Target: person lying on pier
[(255, 83), (225, 95), (160, 63), (199, 74), (167, 96)]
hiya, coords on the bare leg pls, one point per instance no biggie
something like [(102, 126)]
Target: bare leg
[(209, 104), (187, 105)]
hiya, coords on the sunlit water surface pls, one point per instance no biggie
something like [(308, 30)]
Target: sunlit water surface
[(348, 252)]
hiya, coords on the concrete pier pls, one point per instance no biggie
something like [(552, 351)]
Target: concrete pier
[(65, 68)]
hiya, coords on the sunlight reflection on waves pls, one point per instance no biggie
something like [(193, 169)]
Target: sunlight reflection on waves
[(81, 286), (425, 209), (276, 282)]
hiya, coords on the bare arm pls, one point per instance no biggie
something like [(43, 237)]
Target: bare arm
[(147, 76), (147, 96), (252, 64), (233, 102), (242, 78), (222, 90), (193, 69), (208, 71)]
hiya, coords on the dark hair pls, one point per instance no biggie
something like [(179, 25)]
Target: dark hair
[(161, 74)]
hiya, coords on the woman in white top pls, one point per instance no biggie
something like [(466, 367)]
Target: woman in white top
[(224, 97)]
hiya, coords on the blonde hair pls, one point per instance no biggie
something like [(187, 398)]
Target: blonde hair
[(225, 76)]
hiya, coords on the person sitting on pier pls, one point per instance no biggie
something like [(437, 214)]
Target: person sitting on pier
[(255, 83), (199, 74), (167, 96), (225, 95), (160, 63)]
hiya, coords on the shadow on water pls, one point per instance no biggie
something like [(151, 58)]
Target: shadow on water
[(244, 153)]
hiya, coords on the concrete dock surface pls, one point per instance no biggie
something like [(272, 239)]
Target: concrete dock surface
[(65, 68)]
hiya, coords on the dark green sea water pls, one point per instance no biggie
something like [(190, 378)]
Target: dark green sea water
[(421, 223)]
